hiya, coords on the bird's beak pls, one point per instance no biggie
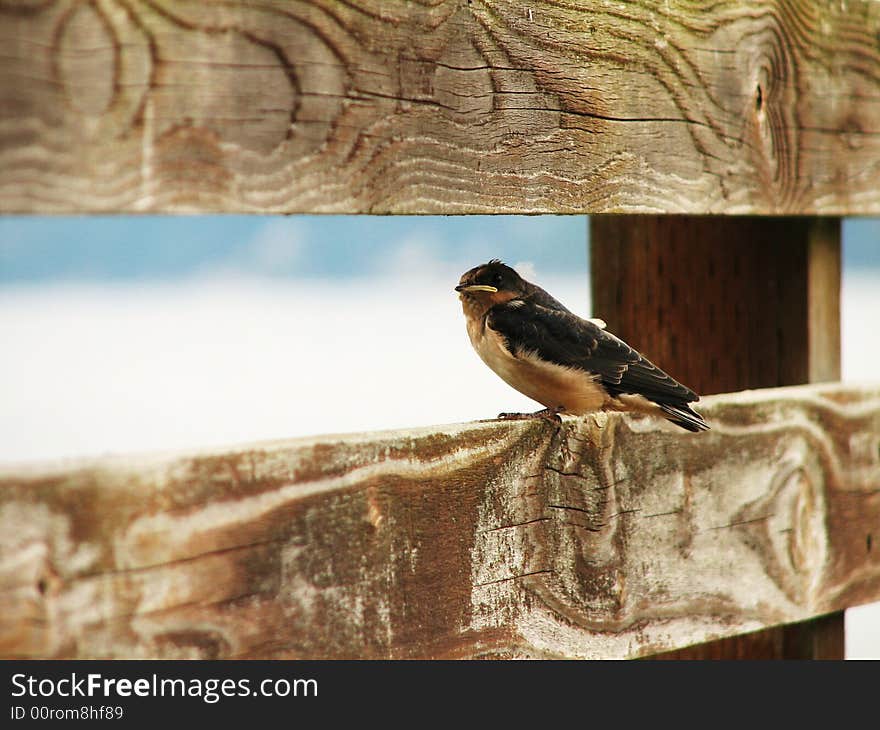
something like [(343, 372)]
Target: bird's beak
[(476, 287)]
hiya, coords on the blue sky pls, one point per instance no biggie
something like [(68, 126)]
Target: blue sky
[(106, 248), (120, 248)]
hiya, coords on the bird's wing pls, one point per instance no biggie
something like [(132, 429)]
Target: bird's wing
[(566, 339)]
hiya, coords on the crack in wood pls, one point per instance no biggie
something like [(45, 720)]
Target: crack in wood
[(513, 577), (572, 508), (664, 514), (516, 524), (739, 523)]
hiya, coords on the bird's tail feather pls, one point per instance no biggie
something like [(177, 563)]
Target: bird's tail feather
[(685, 417)]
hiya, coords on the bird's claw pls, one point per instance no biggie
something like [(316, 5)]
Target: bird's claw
[(548, 414)]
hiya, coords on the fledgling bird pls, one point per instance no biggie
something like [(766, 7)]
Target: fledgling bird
[(566, 363)]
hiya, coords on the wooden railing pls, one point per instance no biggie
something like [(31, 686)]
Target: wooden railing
[(609, 536)]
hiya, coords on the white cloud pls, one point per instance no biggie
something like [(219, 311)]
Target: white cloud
[(526, 269), (276, 248), (415, 257)]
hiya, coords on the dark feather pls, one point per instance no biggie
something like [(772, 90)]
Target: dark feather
[(558, 335), (685, 417)]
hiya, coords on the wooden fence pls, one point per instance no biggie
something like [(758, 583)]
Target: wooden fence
[(609, 537), (492, 106), (612, 536)]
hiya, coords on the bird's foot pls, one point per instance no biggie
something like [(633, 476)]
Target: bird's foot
[(548, 414)]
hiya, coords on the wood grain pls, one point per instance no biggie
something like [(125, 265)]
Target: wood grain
[(611, 536), (455, 106), (722, 303)]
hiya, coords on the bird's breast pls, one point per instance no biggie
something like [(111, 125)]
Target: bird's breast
[(550, 384)]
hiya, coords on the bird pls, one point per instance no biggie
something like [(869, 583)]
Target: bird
[(567, 364)]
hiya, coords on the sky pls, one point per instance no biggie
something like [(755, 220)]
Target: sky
[(35, 249), (126, 248)]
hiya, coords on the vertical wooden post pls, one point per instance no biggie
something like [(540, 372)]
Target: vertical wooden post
[(726, 304)]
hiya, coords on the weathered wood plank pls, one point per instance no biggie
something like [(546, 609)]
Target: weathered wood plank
[(446, 107), (610, 537)]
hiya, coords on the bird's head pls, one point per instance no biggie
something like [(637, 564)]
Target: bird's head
[(491, 284)]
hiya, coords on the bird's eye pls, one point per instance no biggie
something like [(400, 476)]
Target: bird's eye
[(496, 280)]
